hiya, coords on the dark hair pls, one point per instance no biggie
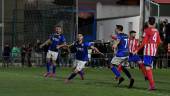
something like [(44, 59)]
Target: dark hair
[(57, 26), (151, 20), (81, 34), (132, 32), (119, 27)]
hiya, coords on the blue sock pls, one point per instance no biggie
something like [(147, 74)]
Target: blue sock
[(54, 69), (81, 73), (48, 67), (115, 71)]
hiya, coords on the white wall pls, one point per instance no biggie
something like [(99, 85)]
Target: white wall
[(106, 27), (162, 18), (109, 11)]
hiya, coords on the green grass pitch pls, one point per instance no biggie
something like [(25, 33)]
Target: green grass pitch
[(98, 82)]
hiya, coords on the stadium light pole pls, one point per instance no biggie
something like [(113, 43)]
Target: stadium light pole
[(142, 16), (2, 25), (77, 17)]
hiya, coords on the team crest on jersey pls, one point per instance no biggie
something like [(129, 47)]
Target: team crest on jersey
[(56, 38)]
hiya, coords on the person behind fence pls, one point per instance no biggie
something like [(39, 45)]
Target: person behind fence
[(56, 41), (29, 53), (15, 53), (23, 54), (6, 55), (38, 52), (64, 57)]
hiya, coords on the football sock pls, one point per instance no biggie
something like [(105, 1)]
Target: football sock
[(127, 73), (119, 68), (48, 67), (72, 76), (115, 71), (150, 77), (54, 69), (143, 69)]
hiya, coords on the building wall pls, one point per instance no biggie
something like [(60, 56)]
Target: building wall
[(110, 11), (106, 27)]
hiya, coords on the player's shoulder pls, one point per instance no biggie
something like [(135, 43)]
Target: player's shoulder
[(61, 35), (88, 43), (122, 35)]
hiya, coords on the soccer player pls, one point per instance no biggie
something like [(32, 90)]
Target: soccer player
[(133, 45), (81, 56), (121, 57), (56, 41), (151, 40)]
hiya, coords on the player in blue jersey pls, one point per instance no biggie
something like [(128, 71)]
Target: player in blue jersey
[(121, 56), (81, 55), (56, 41)]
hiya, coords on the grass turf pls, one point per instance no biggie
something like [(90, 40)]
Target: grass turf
[(98, 82)]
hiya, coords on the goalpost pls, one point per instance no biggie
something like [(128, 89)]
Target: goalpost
[(2, 25)]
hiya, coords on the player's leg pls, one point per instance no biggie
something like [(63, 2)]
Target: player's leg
[(115, 62), (54, 64), (81, 72), (128, 74), (141, 65), (142, 68), (119, 68), (126, 71), (48, 65), (148, 63), (79, 67)]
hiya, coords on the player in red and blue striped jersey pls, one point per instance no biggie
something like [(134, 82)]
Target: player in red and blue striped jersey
[(151, 41)]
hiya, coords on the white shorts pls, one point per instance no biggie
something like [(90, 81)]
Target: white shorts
[(119, 60), (79, 65), (52, 55)]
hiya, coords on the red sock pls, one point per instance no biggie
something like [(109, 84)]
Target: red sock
[(150, 78), (143, 69), (119, 68)]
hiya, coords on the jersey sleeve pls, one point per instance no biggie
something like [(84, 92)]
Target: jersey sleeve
[(118, 38), (50, 37), (63, 40), (145, 40), (89, 44), (158, 39)]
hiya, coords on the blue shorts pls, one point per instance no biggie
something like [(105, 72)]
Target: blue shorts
[(148, 60), (134, 58)]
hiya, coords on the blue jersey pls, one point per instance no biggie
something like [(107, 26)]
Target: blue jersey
[(82, 50), (56, 40), (122, 48)]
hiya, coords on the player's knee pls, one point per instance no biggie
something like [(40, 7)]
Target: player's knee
[(54, 62), (148, 67), (76, 71)]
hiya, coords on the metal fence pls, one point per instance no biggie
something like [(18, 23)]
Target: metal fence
[(28, 20), (39, 59)]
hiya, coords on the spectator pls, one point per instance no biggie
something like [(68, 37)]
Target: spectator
[(163, 26), (29, 52), (6, 55), (64, 57), (23, 54), (15, 53), (38, 53)]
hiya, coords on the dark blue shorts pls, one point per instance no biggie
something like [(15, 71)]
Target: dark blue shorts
[(134, 58), (148, 60)]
